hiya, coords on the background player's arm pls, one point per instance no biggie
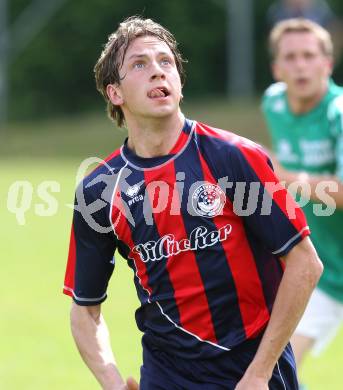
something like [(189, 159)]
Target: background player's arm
[(334, 198), (302, 271), (92, 339)]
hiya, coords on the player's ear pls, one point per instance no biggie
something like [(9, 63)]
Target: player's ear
[(114, 94), (330, 65)]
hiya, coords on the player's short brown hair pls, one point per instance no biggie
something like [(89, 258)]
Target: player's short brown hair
[(299, 25), (112, 57)]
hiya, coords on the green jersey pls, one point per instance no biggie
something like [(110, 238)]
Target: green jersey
[(313, 142)]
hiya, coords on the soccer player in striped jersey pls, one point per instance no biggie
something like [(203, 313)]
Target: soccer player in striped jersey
[(222, 262), (304, 112)]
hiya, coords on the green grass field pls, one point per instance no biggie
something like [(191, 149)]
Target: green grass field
[(36, 349)]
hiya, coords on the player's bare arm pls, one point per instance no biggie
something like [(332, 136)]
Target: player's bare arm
[(302, 272), (92, 339), (312, 183)]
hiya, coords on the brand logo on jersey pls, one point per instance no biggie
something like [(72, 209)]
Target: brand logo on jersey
[(168, 246), (285, 152), (132, 192), (208, 200)]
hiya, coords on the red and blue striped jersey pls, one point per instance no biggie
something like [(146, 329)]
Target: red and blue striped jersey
[(203, 228)]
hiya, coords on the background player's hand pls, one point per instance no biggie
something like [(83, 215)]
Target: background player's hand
[(131, 384)]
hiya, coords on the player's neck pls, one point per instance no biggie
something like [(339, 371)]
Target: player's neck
[(303, 105), (154, 137)]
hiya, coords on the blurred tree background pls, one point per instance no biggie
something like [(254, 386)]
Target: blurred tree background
[(53, 75)]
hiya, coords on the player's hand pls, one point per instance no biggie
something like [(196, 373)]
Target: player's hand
[(131, 384), (249, 382)]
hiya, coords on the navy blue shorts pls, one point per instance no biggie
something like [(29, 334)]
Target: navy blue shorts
[(163, 371)]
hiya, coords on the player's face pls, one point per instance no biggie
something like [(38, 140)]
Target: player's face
[(150, 83), (302, 65)]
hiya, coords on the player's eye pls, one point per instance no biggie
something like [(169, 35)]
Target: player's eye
[(166, 61), (289, 57), (138, 65), (308, 55)]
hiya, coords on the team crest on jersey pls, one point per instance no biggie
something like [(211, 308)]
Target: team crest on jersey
[(208, 200)]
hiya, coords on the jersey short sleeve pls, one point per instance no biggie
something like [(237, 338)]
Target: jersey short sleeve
[(273, 98), (91, 250), (273, 105), (269, 212)]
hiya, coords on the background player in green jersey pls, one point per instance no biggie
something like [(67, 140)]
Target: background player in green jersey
[(304, 115)]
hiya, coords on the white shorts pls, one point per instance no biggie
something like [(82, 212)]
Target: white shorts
[(321, 320)]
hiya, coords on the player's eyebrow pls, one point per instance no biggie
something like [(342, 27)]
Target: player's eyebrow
[(159, 54), (136, 56)]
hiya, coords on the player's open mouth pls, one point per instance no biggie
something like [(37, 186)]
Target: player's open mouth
[(301, 81), (159, 92)]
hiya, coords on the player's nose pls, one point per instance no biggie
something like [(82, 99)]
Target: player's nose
[(156, 71)]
